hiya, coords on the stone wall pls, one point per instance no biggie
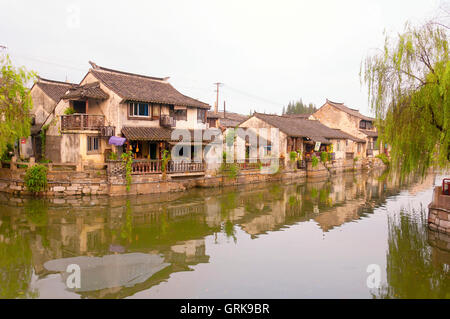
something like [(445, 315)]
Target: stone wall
[(62, 183), (439, 212)]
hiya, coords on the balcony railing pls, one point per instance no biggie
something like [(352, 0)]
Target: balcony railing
[(167, 121), (185, 167), (143, 167), (82, 122)]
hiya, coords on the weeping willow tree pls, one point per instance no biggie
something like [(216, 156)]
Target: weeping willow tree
[(409, 91), (15, 103)]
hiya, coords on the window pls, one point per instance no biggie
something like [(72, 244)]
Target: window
[(365, 125), (201, 115), (181, 115), (93, 144), (359, 147), (156, 111), (375, 143), (139, 110), (338, 144), (212, 122)]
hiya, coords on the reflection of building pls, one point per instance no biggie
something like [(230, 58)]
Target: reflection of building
[(176, 226)]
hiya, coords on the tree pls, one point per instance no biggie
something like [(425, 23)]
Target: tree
[(298, 107), (409, 86), (15, 103)]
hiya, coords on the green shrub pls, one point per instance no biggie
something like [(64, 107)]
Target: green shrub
[(165, 163), (229, 169), (113, 156), (36, 178), (70, 110), (127, 159), (233, 171), (383, 157), (324, 157), (6, 156), (355, 159), (314, 161), (293, 156)]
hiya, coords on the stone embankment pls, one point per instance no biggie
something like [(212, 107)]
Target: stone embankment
[(112, 181), (439, 212)]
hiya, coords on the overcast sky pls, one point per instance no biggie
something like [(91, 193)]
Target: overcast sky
[(266, 53)]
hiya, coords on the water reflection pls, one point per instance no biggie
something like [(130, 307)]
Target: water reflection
[(39, 237), (416, 267)]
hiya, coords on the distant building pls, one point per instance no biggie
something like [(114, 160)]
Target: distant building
[(304, 135), (225, 119), (351, 121)]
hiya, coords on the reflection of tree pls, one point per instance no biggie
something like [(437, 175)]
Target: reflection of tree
[(126, 231), (37, 213), (15, 264), (228, 203), (230, 230), (410, 270)]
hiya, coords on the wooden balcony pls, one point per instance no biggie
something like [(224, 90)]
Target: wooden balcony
[(82, 122), (167, 121), (143, 167)]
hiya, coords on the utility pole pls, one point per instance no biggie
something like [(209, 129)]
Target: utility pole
[(216, 107)]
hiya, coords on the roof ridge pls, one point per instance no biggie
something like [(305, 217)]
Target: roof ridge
[(100, 68), (41, 80), (341, 103), (186, 95), (346, 107)]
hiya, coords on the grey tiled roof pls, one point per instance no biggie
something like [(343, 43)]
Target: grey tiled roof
[(90, 90), (54, 89), (147, 133), (348, 110), (134, 87), (300, 127)]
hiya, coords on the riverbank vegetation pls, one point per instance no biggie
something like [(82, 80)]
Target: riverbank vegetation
[(15, 103), (36, 178)]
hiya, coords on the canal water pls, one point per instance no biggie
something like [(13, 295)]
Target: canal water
[(353, 236)]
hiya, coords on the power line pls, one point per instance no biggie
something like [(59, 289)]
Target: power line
[(64, 66), (254, 96)]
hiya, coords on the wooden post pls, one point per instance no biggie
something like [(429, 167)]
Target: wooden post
[(13, 165)]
